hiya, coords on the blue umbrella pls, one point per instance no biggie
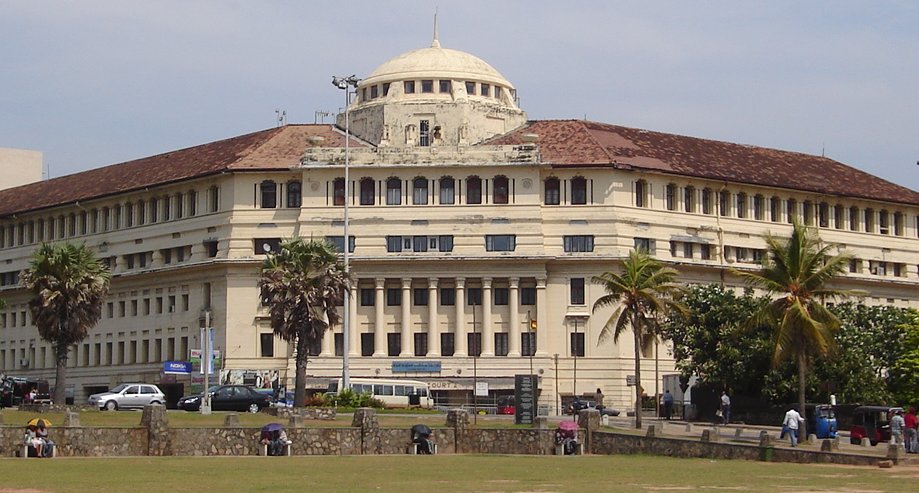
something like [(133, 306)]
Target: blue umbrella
[(273, 427)]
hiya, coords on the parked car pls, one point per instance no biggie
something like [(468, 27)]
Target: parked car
[(228, 398), (577, 405), (871, 423), (128, 396)]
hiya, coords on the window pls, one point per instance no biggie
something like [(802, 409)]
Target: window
[(823, 215), (528, 296), (884, 222), (687, 250), (339, 342), (393, 244), (577, 343), (266, 345), (420, 298), (421, 343), (368, 192), (473, 190), (408, 87), (474, 342), (898, 223), (447, 344), (419, 243), (670, 197), (269, 194), (808, 212), (759, 211), (707, 201), (869, 220), (576, 290), (689, 199), (447, 190), (741, 205), (393, 344), (528, 344), (553, 191), (420, 191), (368, 297), (213, 199), (791, 210), (641, 193), (838, 216), (447, 296), (578, 190), (578, 243), (393, 191), (500, 243), (501, 191), (705, 251), (374, 92), (474, 296), (498, 92), (724, 202), (445, 86), (338, 242), (485, 89), (424, 133), (338, 191), (445, 243), (367, 346), (853, 218), (386, 88), (294, 197), (645, 245), (427, 86), (393, 297), (501, 344), (470, 88), (501, 296), (775, 209)]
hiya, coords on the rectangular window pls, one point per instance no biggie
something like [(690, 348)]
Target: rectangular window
[(853, 218), (528, 344), (421, 343), (374, 92), (670, 197), (393, 296), (577, 344), (338, 242), (445, 86), (427, 86), (266, 344), (485, 89), (759, 212), (577, 290), (705, 251), (393, 344), (775, 206), (386, 88), (393, 243), (474, 296), (368, 297), (501, 295), (501, 344), (474, 342), (645, 245), (447, 296), (445, 243), (420, 298), (687, 250), (470, 88), (723, 202), (706, 201), (447, 344), (500, 243), (419, 243), (578, 243), (409, 87), (339, 342), (367, 348), (689, 199), (528, 296)]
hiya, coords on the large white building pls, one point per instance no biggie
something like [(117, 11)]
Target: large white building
[(467, 222)]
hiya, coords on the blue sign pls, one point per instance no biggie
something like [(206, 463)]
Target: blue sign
[(416, 366), (177, 367)]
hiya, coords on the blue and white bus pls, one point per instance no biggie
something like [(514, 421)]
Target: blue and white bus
[(394, 392)]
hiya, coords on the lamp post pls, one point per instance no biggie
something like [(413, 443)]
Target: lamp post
[(530, 348), (205, 406), (475, 359), (574, 354), (345, 83)]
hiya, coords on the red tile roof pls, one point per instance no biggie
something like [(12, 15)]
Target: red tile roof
[(565, 143), (562, 143)]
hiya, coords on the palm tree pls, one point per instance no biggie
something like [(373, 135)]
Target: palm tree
[(795, 272), (641, 294), (68, 285), (302, 285)]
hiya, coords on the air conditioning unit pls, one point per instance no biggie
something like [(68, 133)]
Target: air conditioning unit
[(23, 362)]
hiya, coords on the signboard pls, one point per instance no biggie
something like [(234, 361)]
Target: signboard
[(481, 389), (416, 366), (177, 367), (525, 387), (195, 360), (630, 380)]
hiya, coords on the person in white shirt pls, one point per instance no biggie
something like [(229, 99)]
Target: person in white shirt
[(791, 424), (725, 407)]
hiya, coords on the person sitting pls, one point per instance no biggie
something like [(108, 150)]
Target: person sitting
[(33, 442), (279, 443), (47, 445), (421, 436)]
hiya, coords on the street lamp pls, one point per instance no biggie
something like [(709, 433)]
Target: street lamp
[(345, 83), (475, 358)]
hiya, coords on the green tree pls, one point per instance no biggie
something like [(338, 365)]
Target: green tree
[(302, 285), (642, 295), (68, 285), (904, 373), (794, 275)]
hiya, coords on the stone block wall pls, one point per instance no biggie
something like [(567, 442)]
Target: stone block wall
[(82, 442)]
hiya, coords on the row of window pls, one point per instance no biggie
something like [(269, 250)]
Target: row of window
[(447, 296), (103, 353), (427, 86), (108, 218), (147, 306), (421, 344)]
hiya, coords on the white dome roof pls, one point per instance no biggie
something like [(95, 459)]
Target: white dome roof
[(436, 63)]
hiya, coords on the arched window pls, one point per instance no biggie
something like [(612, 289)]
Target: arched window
[(724, 202), (368, 191), (707, 207), (759, 212), (447, 190), (269, 194), (670, 197), (294, 196), (641, 194), (473, 190), (553, 191), (420, 191), (775, 209), (393, 191), (501, 190), (579, 190), (741, 205), (338, 191), (689, 199)]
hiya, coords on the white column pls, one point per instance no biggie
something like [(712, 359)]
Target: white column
[(325, 346), (433, 328), (379, 326), (460, 348), (514, 319), (488, 332), (542, 313), (354, 332), (407, 340)]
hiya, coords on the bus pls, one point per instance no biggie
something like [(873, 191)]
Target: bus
[(392, 392)]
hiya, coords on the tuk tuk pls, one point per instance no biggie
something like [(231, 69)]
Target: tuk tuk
[(821, 420), (871, 423)]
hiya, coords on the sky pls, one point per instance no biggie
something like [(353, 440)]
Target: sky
[(97, 82)]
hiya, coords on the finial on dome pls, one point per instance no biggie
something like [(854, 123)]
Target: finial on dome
[(436, 42)]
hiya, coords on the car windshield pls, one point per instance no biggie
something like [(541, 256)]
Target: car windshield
[(119, 388)]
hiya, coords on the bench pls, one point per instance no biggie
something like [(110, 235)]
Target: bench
[(560, 449), (413, 448), (24, 449), (263, 449)]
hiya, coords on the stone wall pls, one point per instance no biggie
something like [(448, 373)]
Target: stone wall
[(82, 442)]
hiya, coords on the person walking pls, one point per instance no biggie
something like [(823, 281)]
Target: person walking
[(897, 424), (599, 398), (725, 407), (668, 404), (912, 434), (791, 424)]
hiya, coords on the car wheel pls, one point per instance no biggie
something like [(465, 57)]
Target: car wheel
[(253, 408), (111, 406)]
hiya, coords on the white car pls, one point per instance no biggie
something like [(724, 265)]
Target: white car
[(127, 396)]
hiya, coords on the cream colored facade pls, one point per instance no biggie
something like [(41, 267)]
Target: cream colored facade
[(436, 263), (19, 166)]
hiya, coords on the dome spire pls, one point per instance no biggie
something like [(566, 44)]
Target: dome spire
[(436, 42)]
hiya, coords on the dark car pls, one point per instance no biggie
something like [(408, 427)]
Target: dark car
[(577, 405), (228, 398)]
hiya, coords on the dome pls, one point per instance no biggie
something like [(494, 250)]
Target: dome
[(436, 63)]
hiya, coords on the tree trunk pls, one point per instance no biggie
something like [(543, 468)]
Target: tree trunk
[(802, 370), (60, 374), (637, 336), (300, 378)]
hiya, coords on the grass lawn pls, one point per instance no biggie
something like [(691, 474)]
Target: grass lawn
[(442, 473)]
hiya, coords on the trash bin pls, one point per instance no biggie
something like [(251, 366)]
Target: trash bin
[(414, 399)]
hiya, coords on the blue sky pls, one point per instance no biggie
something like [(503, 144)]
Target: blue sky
[(96, 82)]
